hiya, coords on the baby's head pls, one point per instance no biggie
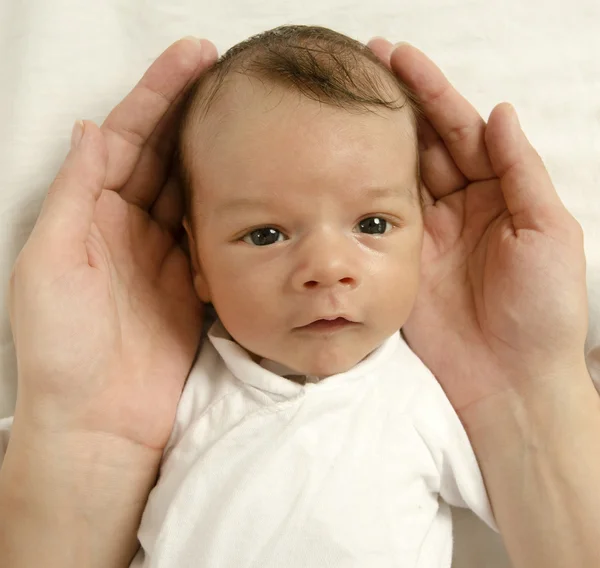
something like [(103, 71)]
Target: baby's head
[(298, 153)]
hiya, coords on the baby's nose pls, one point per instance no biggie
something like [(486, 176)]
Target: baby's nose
[(327, 263)]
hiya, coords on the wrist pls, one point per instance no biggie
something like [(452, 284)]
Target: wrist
[(538, 452), (83, 465), (74, 493), (528, 415)]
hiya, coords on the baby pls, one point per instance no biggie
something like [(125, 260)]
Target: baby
[(308, 433)]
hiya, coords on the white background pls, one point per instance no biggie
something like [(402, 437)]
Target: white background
[(61, 60)]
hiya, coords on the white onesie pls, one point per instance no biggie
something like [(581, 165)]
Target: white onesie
[(355, 471)]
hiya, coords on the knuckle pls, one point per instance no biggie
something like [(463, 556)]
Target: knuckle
[(436, 95), (57, 182), (16, 271), (576, 229), (21, 270), (458, 134), (130, 134), (571, 228), (13, 283)]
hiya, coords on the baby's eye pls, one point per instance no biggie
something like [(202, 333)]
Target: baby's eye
[(374, 226), (263, 236)]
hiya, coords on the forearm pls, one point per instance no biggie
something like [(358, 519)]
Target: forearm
[(540, 458), (72, 501)]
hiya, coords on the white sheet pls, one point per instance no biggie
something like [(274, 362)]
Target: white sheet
[(65, 59)]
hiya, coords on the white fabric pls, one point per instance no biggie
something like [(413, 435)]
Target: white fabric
[(261, 471), (357, 469), (64, 60)]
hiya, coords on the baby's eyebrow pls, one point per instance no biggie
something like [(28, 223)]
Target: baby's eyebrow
[(375, 192), (241, 203), (387, 192)]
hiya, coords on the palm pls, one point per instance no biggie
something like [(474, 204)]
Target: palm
[(487, 313), (155, 314), (145, 304), (481, 284), (447, 327)]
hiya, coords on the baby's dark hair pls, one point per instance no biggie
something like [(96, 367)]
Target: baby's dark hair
[(317, 62)]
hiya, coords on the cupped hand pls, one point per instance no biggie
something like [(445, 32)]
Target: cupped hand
[(502, 307), (104, 315)]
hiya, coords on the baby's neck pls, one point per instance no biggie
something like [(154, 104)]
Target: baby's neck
[(283, 371)]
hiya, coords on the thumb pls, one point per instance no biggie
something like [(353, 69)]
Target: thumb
[(526, 185), (66, 217)]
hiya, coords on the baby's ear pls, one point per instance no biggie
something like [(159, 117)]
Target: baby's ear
[(199, 279)]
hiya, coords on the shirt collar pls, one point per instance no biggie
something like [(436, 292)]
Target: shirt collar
[(269, 376)]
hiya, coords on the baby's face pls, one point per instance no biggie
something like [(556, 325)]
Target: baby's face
[(305, 212)]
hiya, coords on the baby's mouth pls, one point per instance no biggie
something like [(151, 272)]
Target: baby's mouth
[(328, 325)]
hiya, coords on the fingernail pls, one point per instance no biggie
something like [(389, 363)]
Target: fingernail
[(400, 43), (77, 134), (516, 116), (378, 37), (195, 39)]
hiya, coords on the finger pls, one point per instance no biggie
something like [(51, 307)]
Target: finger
[(155, 158), (139, 124), (168, 208), (526, 185), (439, 172), (453, 117), (382, 48), (64, 222)]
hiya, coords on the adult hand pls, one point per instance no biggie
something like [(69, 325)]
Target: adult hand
[(104, 315), (502, 307)]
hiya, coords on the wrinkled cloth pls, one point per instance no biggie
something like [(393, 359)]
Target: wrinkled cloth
[(355, 470)]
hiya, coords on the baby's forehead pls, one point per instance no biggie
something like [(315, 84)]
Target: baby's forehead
[(242, 97), (295, 143), (245, 101), (352, 82)]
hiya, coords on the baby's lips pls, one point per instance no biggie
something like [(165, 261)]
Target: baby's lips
[(330, 318)]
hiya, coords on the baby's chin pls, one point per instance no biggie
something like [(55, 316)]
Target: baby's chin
[(315, 354), (342, 365), (325, 363)]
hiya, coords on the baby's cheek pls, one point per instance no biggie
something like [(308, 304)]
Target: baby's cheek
[(249, 313), (397, 293)]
